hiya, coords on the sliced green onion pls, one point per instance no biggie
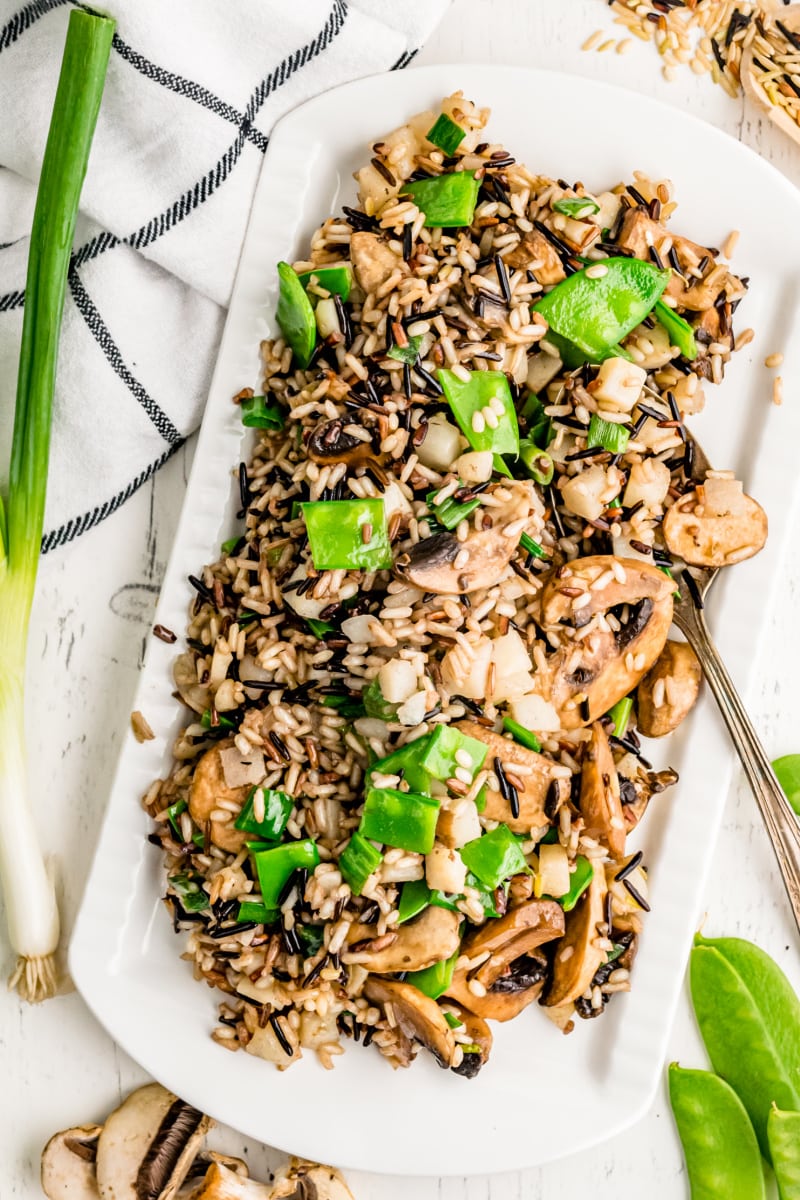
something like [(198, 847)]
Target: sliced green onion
[(230, 545), (452, 1020), (620, 714), (336, 279), (277, 810), (406, 354), (348, 534), (448, 201), (275, 864), (522, 735), (495, 856), (319, 628), (173, 812), (469, 398), (348, 706), (532, 547), (358, 861), (677, 593), (374, 703), (787, 771), (445, 749), (251, 910), (434, 981), (295, 315), (258, 414), (189, 890), (580, 879), (576, 206), (608, 434), (680, 331), (312, 938), (222, 722), (536, 462), (446, 134), (403, 819), (450, 512)]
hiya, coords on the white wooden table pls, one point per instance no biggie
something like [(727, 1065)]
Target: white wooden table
[(91, 619)]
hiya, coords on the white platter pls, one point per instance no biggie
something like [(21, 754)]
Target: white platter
[(542, 1095)]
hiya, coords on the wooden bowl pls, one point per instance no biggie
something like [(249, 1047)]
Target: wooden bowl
[(790, 18)]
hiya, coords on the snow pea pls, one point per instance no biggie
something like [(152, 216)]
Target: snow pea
[(576, 206), (358, 861), (536, 462), (749, 1018), (403, 819), (348, 534), (783, 1131), (434, 981), (446, 134), (494, 857), (595, 311), (336, 279), (485, 395), (295, 315), (447, 200), (680, 332), (719, 1145), (787, 771), (446, 744)]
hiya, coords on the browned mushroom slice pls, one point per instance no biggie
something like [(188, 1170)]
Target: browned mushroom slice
[(669, 690), (331, 442), (417, 1015), (373, 261), (537, 778), (509, 994), (637, 789), (479, 1047), (430, 938), (715, 526), (521, 930), (600, 803), (444, 565), (208, 788), (536, 251), (620, 580), (577, 957)]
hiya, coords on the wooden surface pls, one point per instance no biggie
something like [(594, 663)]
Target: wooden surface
[(92, 615)]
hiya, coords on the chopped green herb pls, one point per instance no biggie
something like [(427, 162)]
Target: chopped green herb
[(522, 735), (446, 134), (406, 354), (576, 206), (374, 703), (319, 628), (312, 938)]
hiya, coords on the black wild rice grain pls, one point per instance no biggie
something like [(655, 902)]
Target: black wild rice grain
[(629, 867), (280, 1036), (232, 930), (280, 745), (502, 278), (383, 170), (408, 244), (636, 895), (638, 197), (204, 593), (656, 257), (359, 220)]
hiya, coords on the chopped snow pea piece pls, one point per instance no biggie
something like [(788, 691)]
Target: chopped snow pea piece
[(251, 910), (348, 534), (576, 206), (787, 772), (434, 981), (536, 462), (448, 200), (275, 865), (406, 354), (594, 312), (536, 421), (375, 705), (295, 316), (173, 813), (257, 414), (450, 512), (446, 134), (484, 410), (277, 810), (403, 819), (608, 434), (358, 861), (522, 735), (532, 547), (495, 856), (448, 749), (405, 762), (337, 280), (190, 892), (580, 879), (415, 896), (680, 331), (620, 714)]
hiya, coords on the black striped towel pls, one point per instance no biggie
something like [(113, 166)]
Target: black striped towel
[(193, 89)]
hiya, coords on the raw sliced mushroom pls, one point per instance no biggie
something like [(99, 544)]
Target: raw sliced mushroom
[(577, 956), (613, 662), (148, 1145), (508, 995), (331, 443), (68, 1164), (418, 1016), (479, 1047), (301, 1180), (521, 930), (430, 938), (373, 260), (600, 797), (715, 528), (532, 796), (208, 788), (669, 690), (444, 565)]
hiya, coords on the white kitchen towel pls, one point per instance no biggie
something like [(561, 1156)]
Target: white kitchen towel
[(193, 89)]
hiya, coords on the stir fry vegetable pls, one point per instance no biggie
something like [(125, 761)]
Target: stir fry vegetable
[(359, 860), (295, 315), (32, 915), (495, 856), (276, 865), (447, 200), (484, 410), (680, 331), (403, 819), (338, 280), (277, 808), (446, 134), (258, 414), (347, 534)]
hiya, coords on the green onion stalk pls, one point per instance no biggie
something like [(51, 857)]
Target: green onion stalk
[(31, 910)]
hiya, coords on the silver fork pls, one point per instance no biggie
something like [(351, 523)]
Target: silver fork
[(783, 826)]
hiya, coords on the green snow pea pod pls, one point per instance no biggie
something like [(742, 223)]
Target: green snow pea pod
[(680, 332), (295, 315), (595, 311), (447, 200), (787, 771), (749, 1018), (783, 1131), (719, 1145)]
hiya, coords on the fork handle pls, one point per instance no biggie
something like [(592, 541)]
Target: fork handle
[(779, 817)]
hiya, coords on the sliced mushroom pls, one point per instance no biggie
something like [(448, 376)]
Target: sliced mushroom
[(612, 662), (148, 1145), (431, 937), (600, 798), (444, 565), (195, 695), (508, 995), (208, 788), (68, 1164), (479, 1047), (537, 252), (532, 796), (418, 1016), (221, 1183), (521, 930), (331, 443), (637, 785), (674, 681), (301, 1180), (577, 957), (736, 529), (373, 260)]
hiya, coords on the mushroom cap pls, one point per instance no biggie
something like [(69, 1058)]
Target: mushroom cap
[(430, 938), (301, 1180), (573, 974), (330, 443), (679, 670), (714, 541), (418, 1016), (479, 1034), (208, 788), (600, 803), (147, 1146), (68, 1164), (221, 1183)]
